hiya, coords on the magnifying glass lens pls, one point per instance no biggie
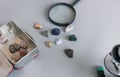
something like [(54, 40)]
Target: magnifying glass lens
[(62, 14)]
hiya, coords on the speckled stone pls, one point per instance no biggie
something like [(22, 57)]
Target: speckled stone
[(69, 52), (55, 31)]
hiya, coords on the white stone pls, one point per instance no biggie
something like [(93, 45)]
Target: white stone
[(58, 41), (69, 28)]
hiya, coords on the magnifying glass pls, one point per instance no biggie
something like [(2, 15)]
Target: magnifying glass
[(62, 14), (112, 61)]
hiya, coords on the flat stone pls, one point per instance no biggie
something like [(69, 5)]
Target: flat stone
[(55, 31), (58, 41), (49, 44), (69, 28), (72, 38), (69, 52), (45, 33), (38, 26)]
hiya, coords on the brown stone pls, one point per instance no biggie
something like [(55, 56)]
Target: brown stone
[(22, 52)]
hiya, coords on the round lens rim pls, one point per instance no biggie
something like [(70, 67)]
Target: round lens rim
[(61, 24)]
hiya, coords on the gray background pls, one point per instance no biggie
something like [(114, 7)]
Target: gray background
[(97, 27)]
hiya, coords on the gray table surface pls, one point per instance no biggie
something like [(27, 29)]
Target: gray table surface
[(97, 27)]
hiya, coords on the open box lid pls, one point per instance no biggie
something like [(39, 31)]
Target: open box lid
[(5, 66)]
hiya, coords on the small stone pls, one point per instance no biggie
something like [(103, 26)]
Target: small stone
[(58, 41), (69, 28), (12, 48), (72, 38), (45, 33), (55, 31), (22, 52), (38, 26), (23, 44), (69, 52), (49, 44)]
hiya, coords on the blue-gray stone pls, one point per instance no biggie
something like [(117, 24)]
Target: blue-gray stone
[(55, 31)]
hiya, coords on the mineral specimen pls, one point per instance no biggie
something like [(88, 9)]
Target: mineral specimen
[(69, 52), (55, 31)]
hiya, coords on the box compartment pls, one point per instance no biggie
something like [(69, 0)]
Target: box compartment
[(14, 35)]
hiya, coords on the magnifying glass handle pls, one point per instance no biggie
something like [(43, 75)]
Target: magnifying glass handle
[(74, 3)]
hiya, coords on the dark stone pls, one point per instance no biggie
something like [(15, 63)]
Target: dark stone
[(72, 38), (69, 52), (55, 31), (12, 48)]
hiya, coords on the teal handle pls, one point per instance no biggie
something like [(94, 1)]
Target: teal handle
[(74, 3)]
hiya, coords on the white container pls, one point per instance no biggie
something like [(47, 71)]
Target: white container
[(13, 34)]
